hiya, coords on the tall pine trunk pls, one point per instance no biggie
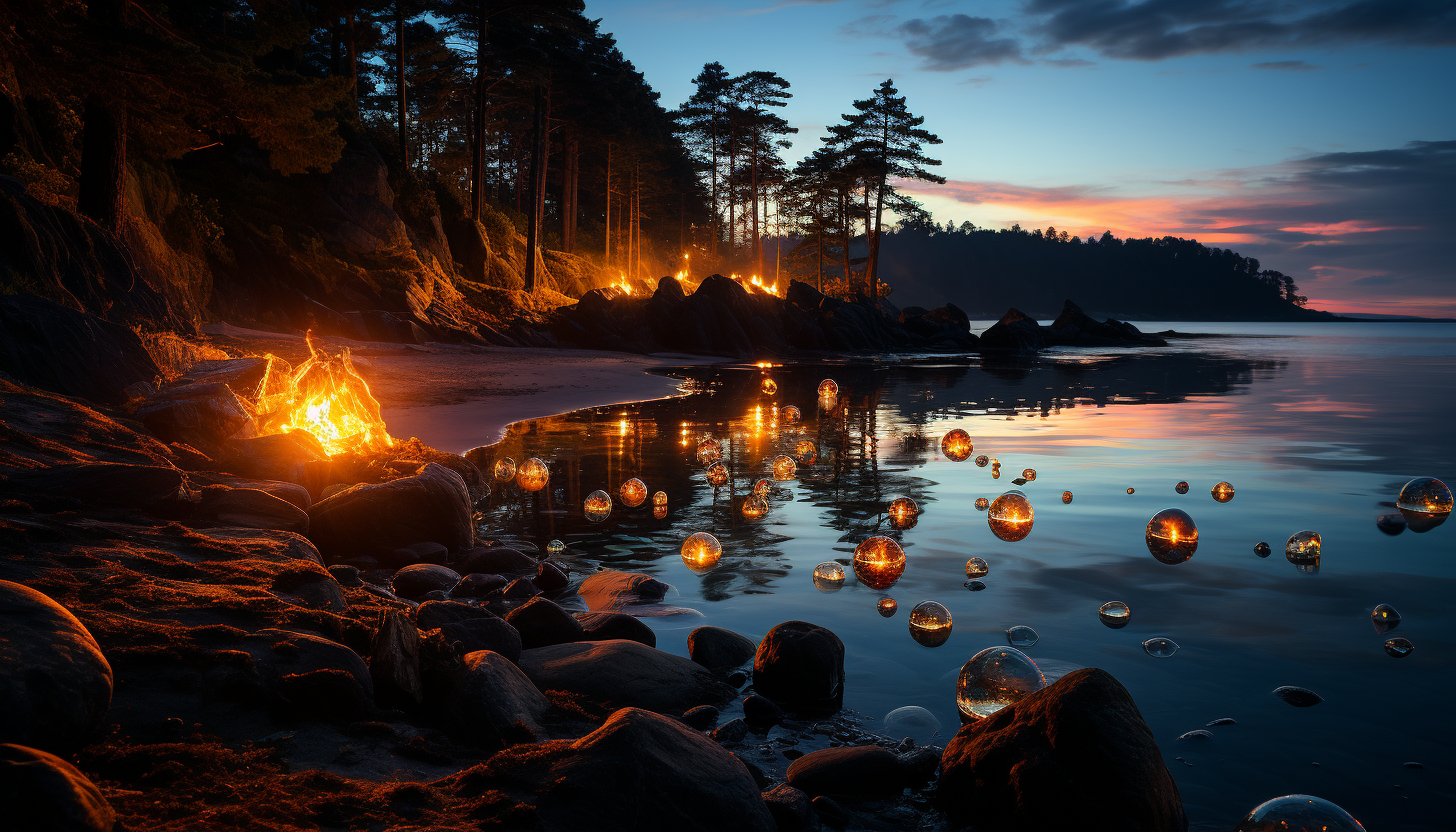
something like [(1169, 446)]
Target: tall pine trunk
[(873, 266), (728, 183), (538, 164), (571, 167), (756, 249), (353, 65), (607, 226)]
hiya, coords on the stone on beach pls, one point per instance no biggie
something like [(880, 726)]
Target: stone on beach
[(43, 793), (499, 560), (202, 415), (543, 623), (861, 771), (310, 674), (252, 508), (610, 590), (374, 520), (622, 673), (415, 580), (395, 665), (495, 702), (604, 626), (435, 614), (55, 685), (718, 649), (494, 634), (801, 667)]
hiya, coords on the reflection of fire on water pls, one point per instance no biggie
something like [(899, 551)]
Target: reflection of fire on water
[(325, 397)]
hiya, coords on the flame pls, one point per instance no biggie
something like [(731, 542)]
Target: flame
[(325, 397)]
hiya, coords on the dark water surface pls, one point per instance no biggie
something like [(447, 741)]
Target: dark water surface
[(1317, 426)]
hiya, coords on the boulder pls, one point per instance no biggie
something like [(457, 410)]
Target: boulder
[(718, 649), (701, 718), (761, 712), (414, 581), (497, 560), (478, 585), (734, 730), (55, 685), (310, 585), (641, 772), (550, 578), (240, 374), (1076, 749), (801, 667), (201, 415), (295, 456), (542, 623), (604, 626), (623, 673), (1073, 327), (496, 703), (859, 771), (520, 589), (251, 508), (493, 634), (287, 491), (347, 576), (43, 793), (790, 808), (56, 348), (374, 520), (394, 666), (610, 590), (144, 487), (1015, 332), (311, 674), (433, 615)]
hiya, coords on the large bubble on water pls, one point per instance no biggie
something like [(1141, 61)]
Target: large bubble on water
[(701, 551), (790, 415), (956, 445), (754, 507), (994, 679), (930, 623), (1160, 648), (1172, 536), (977, 568), (505, 469), (1425, 502), (1398, 648), (716, 474), (597, 506), (555, 548), (904, 514), (912, 721), (829, 576), (1010, 516), (1298, 813), (1223, 492), (633, 493), (806, 452), (710, 450), (784, 468), (1115, 614), (1303, 550), (1022, 636), (1385, 618), (879, 562), (828, 388), (533, 475)]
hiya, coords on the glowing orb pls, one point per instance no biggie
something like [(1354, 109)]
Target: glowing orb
[(930, 623), (1010, 516), (769, 387), (709, 450), (754, 507), (597, 506), (1298, 813), (1029, 474), (995, 678), (763, 488), (701, 551), (879, 562), (829, 576), (784, 468), (1172, 536), (1223, 492), (1303, 550), (659, 512), (981, 503), (887, 607), (555, 548), (956, 445), (505, 469), (1181, 488), (806, 452), (633, 492), (660, 498), (717, 474), (790, 415), (1425, 502), (533, 475), (828, 388), (904, 514), (1066, 496), (977, 568)]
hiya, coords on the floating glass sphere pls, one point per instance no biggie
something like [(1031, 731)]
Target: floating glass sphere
[(1303, 549), (1029, 474), (1425, 503), (763, 488), (1022, 636), (1114, 614), (790, 415), (806, 452), (1011, 516), (1172, 537), (1398, 648), (912, 721), (597, 506), (995, 463), (995, 678), (1181, 488), (1385, 618), (1160, 648), (828, 388), (982, 460), (956, 445), (1131, 490), (709, 450), (769, 387), (981, 503), (903, 513), (1298, 813), (1066, 496), (660, 498), (1262, 549), (716, 474), (995, 473), (879, 562), (1223, 492), (887, 607), (505, 469), (555, 548), (659, 512), (784, 468), (533, 475), (930, 623), (754, 507), (977, 568), (828, 576), (701, 551), (633, 492)]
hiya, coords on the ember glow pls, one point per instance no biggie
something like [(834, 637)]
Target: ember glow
[(325, 397)]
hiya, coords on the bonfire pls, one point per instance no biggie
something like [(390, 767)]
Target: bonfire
[(325, 397)]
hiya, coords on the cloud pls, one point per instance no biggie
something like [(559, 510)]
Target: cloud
[(1286, 66), (1069, 62), (957, 41)]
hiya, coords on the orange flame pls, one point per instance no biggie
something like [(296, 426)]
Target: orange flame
[(324, 396)]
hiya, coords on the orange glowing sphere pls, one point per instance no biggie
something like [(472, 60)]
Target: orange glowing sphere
[(659, 512), (1223, 492), (879, 562), (660, 498), (784, 468), (887, 607), (903, 513), (930, 623), (754, 507), (763, 488), (505, 469), (1425, 495), (701, 551), (1011, 516), (806, 452), (709, 450), (769, 387), (633, 492), (1181, 488), (717, 474), (982, 503), (1131, 490), (533, 475), (790, 415), (828, 388), (597, 506), (1066, 496), (982, 460), (1029, 475), (1303, 547), (829, 576), (995, 473), (1172, 537), (956, 445)]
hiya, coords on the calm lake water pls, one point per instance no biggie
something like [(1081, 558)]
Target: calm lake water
[(1317, 426)]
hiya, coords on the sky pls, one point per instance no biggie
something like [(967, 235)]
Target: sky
[(1316, 135)]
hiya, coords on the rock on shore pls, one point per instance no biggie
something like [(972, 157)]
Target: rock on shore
[(622, 673), (801, 667), (55, 685)]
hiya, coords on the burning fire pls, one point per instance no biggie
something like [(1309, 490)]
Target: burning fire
[(324, 396), (754, 283)]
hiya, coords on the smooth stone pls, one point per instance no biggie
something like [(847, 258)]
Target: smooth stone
[(920, 764), (251, 508), (416, 580), (496, 703), (434, 595), (830, 812), (1297, 696), (623, 673), (311, 674), (394, 666), (861, 771), (478, 585), (347, 576), (550, 578), (702, 717), (521, 588), (499, 560), (734, 730), (43, 793), (431, 506), (610, 590), (790, 808), (737, 679), (143, 487), (429, 552), (1391, 524), (1074, 750), (295, 456), (202, 415), (718, 649), (760, 711), (543, 623), (432, 615), (494, 634), (801, 667), (310, 585), (603, 626), (55, 684)]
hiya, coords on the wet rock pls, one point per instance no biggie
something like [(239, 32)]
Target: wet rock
[(1073, 327), (641, 772), (760, 712), (295, 457), (718, 649), (550, 578), (737, 679), (611, 590), (416, 580), (830, 812), (493, 634), (1391, 524), (56, 348), (520, 588), (292, 493), (374, 520), (801, 667), (862, 771), (1015, 332), (1074, 750), (790, 808), (347, 576), (734, 730), (496, 703), (55, 685), (542, 623), (604, 626), (624, 673), (43, 793), (310, 674), (436, 595), (701, 718), (433, 615), (201, 415), (394, 666), (429, 552), (920, 764), (1297, 696), (250, 508), (310, 585), (478, 585), (498, 560)]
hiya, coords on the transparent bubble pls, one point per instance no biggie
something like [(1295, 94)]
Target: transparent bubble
[(1022, 636), (930, 623), (710, 450), (1131, 490), (887, 607), (754, 507), (879, 562), (1181, 488), (995, 678), (1159, 647), (701, 551), (1425, 503), (763, 488), (1303, 549), (784, 468), (597, 506), (769, 387), (1223, 492), (1385, 618), (1067, 497), (806, 452), (533, 475), (982, 460), (717, 474), (903, 513), (912, 721), (1029, 474), (1011, 516), (1398, 648), (828, 388), (1262, 549), (790, 415), (505, 469), (974, 586), (982, 503), (976, 568), (829, 576), (555, 548), (956, 445), (660, 498), (1298, 813), (633, 492), (1115, 614), (1171, 536)]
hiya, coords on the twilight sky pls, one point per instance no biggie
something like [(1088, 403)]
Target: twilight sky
[(1316, 135)]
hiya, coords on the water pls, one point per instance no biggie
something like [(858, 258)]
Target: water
[(1318, 425)]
